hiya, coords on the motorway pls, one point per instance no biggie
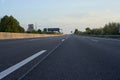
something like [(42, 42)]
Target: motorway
[(68, 57)]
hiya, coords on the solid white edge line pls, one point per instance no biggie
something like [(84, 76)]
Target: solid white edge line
[(19, 65)]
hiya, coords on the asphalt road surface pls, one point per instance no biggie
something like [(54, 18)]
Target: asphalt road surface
[(67, 57)]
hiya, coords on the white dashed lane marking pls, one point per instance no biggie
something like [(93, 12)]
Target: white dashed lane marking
[(19, 65)]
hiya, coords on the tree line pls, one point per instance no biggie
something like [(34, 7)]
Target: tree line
[(108, 29), (10, 24)]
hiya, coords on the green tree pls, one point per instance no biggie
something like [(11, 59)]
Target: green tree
[(10, 24), (76, 31), (39, 31), (97, 31), (111, 28), (88, 30)]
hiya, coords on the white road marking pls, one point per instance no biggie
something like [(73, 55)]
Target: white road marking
[(33, 39), (20, 78), (63, 40), (19, 65)]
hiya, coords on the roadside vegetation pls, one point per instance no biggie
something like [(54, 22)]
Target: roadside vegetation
[(110, 30), (10, 24)]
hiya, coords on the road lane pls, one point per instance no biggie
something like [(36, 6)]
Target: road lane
[(14, 51), (79, 58), (19, 65)]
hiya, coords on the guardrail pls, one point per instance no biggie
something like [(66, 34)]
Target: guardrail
[(107, 36)]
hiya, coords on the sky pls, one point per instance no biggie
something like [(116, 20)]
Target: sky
[(65, 14)]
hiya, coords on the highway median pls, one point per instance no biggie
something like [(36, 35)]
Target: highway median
[(8, 35)]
